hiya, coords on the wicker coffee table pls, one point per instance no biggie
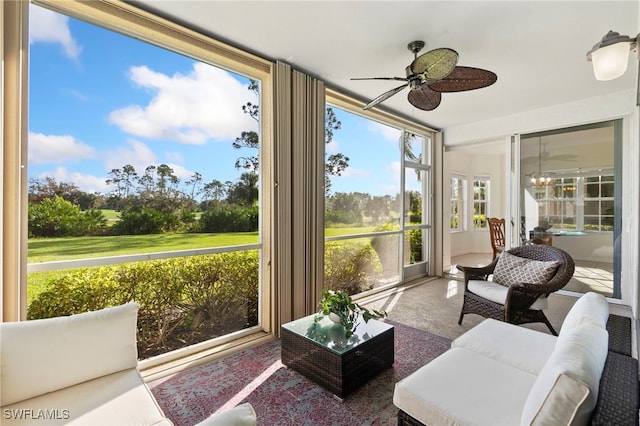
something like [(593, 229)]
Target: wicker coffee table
[(320, 352)]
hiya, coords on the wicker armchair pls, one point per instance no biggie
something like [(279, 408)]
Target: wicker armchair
[(524, 302)]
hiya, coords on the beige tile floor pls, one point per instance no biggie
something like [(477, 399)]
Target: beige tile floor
[(434, 304)]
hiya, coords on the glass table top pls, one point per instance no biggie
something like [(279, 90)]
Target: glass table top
[(332, 336)]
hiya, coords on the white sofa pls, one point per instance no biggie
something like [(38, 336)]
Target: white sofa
[(82, 370), (502, 374)]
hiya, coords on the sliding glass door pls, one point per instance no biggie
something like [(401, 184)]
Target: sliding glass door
[(571, 190)]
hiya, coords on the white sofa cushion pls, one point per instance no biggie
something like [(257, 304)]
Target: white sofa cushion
[(433, 395), (589, 307), (580, 354), (512, 269), (561, 404), (41, 356), (120, 398), (519, 347), (498, 293)]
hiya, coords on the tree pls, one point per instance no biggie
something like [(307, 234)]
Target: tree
[(194, 182), (48, 187), (335, 164), (245, 192), (213, 191), (249, 139)]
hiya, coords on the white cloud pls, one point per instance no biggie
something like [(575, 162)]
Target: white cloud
[(57, 149), (174, 156), (332, 147), (85, 182), (140, 157), (46, 26), (394, 169), (136, 154), (388, 133), (205, 104), (352, 172)]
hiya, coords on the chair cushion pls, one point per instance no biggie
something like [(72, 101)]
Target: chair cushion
[(589, 307), (498, 293), (580, 354), (512, 269), (462, 387), (45, 355)]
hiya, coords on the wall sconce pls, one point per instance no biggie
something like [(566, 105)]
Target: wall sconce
[(610, 56)]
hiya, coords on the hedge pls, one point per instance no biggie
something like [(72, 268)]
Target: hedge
[(182, 301)]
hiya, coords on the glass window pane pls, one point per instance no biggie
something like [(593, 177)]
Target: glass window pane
[(413, 196), (591, 208), (607, 190), (413, 147), (413, 240), (592, 190), (607, 208)]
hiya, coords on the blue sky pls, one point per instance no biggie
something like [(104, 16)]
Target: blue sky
[(99, 100)]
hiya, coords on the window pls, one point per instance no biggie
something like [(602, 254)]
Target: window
[(458, 203), (577, 203), (598, 203), (376, 198), (144, 179), (480, 202)]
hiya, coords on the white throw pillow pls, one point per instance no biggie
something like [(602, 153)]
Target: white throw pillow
[(580, 354), (45, 355), (561, 404), (512, 269), (589, 307)]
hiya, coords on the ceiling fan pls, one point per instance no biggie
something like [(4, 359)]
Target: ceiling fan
[(431, 74)]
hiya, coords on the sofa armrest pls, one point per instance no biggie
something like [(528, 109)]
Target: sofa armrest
[(241, 415), (618, 400)]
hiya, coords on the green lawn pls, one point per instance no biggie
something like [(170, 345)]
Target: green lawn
[(52, 249)]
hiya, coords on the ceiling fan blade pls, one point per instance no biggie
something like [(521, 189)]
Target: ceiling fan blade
[(435, 64), (380, 78), (424, 98), (464, 78), (384, 96)]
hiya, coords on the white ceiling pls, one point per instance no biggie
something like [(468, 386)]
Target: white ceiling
[(537, 48)]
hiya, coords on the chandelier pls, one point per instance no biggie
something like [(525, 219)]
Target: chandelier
[(541, 178)]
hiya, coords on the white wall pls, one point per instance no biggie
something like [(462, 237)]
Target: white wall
[(470, 163)]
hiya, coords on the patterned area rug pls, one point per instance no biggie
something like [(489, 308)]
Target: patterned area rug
[(282, 396)]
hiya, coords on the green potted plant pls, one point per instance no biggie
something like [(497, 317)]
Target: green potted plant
[(341, 309)]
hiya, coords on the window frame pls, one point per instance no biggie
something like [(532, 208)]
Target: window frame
[(485, 201), (133, 22), (460, 181)]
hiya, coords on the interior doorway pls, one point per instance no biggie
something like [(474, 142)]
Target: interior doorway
[(570, 198)]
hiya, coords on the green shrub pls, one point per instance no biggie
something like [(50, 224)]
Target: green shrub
[(57, 217), (342, 217), (230, 219), (415, 245), (350, 266), (144, 222), (182, 301)]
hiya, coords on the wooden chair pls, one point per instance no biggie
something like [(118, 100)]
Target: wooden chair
[(523, 302), (496, 232)]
